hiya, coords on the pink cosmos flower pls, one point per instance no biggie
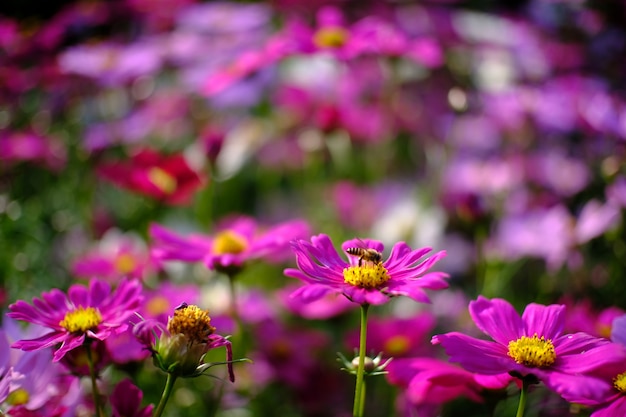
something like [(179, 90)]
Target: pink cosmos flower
[(237, 239), (396, 337), (532, 345), (432, 381), (126, 401), (114, 257), (168, 178), (611, 376), (83, 313), (363, 279)]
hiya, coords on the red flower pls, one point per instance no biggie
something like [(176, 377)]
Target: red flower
[(164, 177)]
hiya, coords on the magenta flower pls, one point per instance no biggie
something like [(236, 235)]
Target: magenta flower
[(364, 278), (237, 240), (126, 401), (532, 345), (81, 314), (432, 381)]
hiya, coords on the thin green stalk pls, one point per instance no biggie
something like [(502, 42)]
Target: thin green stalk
[(94, 381), (169, 385), (359, 398), (522, 399)]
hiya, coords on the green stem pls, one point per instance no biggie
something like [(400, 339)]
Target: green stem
[(169, 385), (522, 399), (359, 398), (94, 381)]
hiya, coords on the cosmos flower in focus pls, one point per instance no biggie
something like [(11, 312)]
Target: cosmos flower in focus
[(532, 347), (80, 315), (167, 178), (364, 278)]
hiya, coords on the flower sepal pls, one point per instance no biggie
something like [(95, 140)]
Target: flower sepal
[(373, 366)]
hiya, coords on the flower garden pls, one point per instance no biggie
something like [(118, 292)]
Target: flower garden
[(313, 208)]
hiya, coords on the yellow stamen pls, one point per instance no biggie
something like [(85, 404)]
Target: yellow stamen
[(532, 351), (397, 345), (163, 180), (124, 263), (18, 397), (330, 37), (229, 242), (367, 275), (81, 320), (192, 322), (619, 382)]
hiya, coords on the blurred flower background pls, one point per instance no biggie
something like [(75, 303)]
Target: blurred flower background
[(185, 144)]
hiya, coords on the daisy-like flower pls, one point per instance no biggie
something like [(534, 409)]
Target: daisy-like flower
[(530, 347), (237, 240), (81, 315), (364, 277)]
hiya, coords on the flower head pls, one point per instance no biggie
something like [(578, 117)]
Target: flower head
[(531, 346), (364, 277), (236, 240), (166, 178), (179, 348), (81, 315)]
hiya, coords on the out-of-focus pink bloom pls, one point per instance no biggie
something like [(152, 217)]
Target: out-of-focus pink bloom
[(111, 64), (126, 401), (616, 192), (539, 233), (114, 257), (237, 240), (27, 146), (397, 337), (582, 317), (331, 305), (432, 381), (293, 353), (562, 174), (594, 219), (168, 178)]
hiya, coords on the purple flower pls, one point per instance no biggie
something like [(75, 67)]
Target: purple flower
[(364, 279), (532, 345), (81, 314), (126, 401)]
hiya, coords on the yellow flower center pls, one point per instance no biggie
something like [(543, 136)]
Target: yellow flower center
[(532, 351), (192, 322), (18, 397), (162, 180), (229, 242), (366, 276), (397, 345), (81, 320), (619, 382), (124, 263), (158, 305), (330, 37)]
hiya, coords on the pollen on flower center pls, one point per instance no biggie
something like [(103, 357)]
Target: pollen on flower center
[(163, 180), (330, 37), (124, 263), (191, 322), (229, 242), (532, 351), (18, 397), (366, 276), (81, 320), (619, 382)]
